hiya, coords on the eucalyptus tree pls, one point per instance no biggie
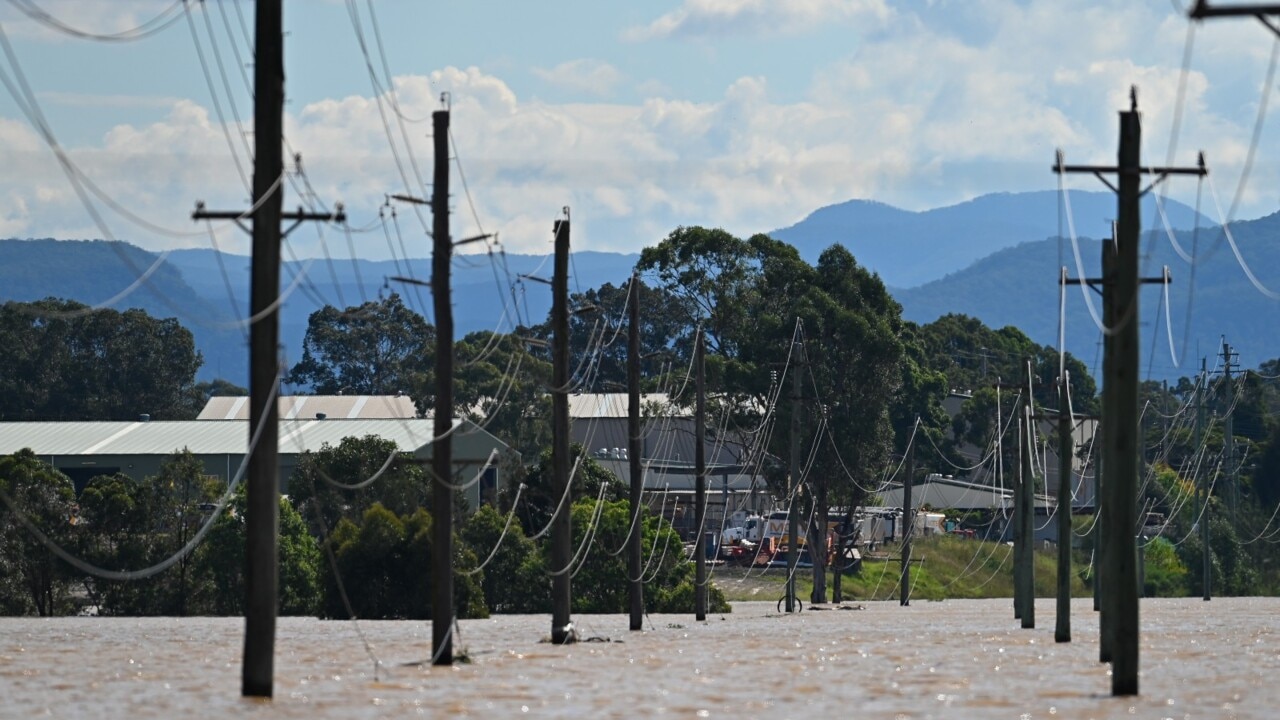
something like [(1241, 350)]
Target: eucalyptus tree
[(376, 348), (767, 312), (34, 579), (64, 361)]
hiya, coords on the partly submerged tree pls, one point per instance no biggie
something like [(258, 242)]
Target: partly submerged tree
[(36, 495)]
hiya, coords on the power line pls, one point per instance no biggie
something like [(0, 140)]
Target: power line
[(155, 25)]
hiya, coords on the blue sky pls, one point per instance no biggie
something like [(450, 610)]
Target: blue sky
[(640, 116)]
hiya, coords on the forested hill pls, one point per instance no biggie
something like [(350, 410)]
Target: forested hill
[(1016, 285), (909, 248), (100, 272), (1019, 286), (192, 286)]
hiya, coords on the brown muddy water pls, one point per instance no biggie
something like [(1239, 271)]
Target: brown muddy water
[(953, 659)]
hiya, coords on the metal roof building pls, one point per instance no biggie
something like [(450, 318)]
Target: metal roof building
[(84, 450), (336, 407)]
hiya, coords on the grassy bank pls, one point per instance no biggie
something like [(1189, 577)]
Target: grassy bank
[(951, 567)]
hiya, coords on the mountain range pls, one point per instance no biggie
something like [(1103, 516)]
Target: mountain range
[(994, 257)]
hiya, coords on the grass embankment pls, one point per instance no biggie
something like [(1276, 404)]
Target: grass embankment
[(952, 567)]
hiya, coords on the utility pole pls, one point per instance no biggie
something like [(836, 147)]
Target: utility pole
[(261, 574), (1203, 487), (908, 519), (1228, 432), (1066, 448), (1106, 619), (1120, 385), (1026, 521), (1122, 445), (635, 595), (561, 530), (700, 481), (793, 520), (262, 516), (442, 614)]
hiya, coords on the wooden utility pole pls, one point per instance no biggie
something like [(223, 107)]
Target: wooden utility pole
[(635, 595), (1027, 519), (1120, 403), (1066, 448), (1228, 432), (1122, 456), (908, 519), (1106, 475), (261, 574), (263, 494), (700, 480), (561, 529), (793, 508), (442, 614), (1202, 488)]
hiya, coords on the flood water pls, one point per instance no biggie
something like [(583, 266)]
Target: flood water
[(953, 659)]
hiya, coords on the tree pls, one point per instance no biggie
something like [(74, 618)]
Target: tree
[(66, 362), (752, 296), (222, 557), (384, 564), (34, 579), (515, 579), (540, 500), (601, 578), (597, 332), (334, 482), (500, 384), (376, 348), (131, 524)]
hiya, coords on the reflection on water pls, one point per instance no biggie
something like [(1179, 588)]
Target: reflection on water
[(954, 659)]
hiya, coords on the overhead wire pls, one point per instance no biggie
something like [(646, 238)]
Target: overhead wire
[(148, 28)]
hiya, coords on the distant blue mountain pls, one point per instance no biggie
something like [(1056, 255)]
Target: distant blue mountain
[(482, 291), (911, 248), (988, 257), (1214, 298)]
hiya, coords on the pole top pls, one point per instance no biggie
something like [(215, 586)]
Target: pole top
[(1133, 98)]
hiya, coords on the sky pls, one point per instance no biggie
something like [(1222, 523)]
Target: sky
[(638, 116)]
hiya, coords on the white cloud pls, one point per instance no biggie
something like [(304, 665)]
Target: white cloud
[(584, 75), (756, 17), (50, 20), (920, 116)]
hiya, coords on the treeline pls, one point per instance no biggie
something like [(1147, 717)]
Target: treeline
[(866, 376), (342, 552), (65, 361)]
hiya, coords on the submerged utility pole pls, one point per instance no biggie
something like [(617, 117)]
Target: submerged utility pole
[(700, 481), (262, 515), (793, 520), (1202, 488), (1110, 415), (442, 614), (1228, 433), (261, 574), (1120, 401), (561, 530), (1066, 448), (1026, 521), (908, 519), (635, 585)]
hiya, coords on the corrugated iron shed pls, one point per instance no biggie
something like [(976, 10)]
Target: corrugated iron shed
[(333, 407), (206, 437)]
